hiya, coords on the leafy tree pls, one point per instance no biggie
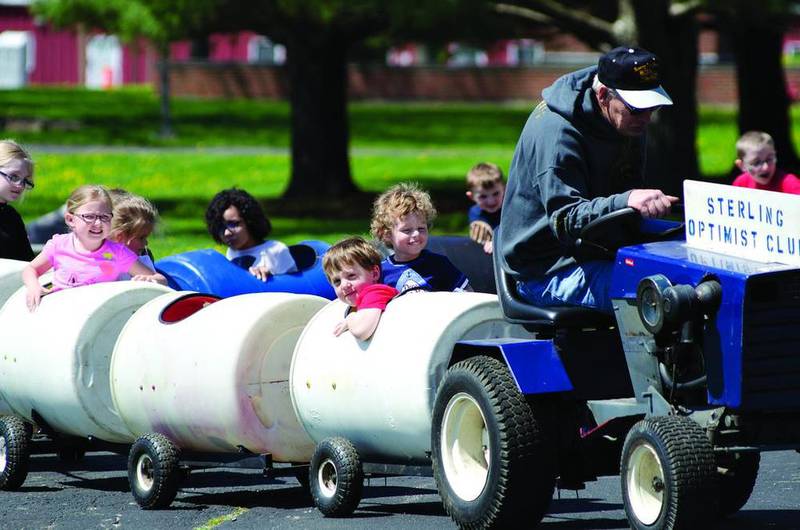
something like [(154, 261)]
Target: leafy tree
[(668, 29), (319, 35), (160, 22)]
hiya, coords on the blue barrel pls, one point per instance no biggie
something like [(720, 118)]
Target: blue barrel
[(208, 271)]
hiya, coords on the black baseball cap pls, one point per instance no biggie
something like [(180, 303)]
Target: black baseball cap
[(633, 74)]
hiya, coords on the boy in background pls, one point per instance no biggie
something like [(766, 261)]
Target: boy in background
[(486, 188), (755, 152), (401, 217), (353, 268)]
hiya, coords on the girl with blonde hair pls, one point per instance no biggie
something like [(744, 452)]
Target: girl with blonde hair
[(16, 176), (86, 255)]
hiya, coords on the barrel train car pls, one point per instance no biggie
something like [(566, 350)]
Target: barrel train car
[(502, 399)]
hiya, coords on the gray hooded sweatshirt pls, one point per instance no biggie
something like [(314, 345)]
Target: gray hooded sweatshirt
[(570, 167)]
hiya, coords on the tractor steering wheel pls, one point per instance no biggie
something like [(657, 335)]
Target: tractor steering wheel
[(601, 238), (611, 224)]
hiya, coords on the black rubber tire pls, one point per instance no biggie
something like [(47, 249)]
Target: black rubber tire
[(668, 464), (153, 471), (15, 453), (336, 476), (520, 469), (736, 483)]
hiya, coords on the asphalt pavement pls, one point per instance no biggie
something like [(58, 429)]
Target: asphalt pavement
[(94, 493)]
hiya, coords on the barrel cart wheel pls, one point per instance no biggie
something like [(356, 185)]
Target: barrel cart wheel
[(492, 461), (669, 475), (15, 452), (336, 476), (153, 471)]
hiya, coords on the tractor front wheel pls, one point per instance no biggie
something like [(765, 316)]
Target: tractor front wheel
[(669, 475)]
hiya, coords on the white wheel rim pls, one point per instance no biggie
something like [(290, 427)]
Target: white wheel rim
[(144, 472), (327, 478), (645, 480), (465, 447), (3, 457)]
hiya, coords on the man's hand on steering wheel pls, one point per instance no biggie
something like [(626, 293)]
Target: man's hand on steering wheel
[(651, 203)]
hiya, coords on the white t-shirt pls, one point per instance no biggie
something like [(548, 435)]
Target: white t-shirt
[(272, 254)]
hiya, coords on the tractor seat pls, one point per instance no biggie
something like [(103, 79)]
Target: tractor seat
[(537, 318)]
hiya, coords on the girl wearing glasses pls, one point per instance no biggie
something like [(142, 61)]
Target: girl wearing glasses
[(85, 255), (16, 176)]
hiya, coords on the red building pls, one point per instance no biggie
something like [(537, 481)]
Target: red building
[(98, 60), (60, 57)]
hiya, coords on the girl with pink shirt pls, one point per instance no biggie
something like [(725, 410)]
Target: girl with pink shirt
[(85, 255)]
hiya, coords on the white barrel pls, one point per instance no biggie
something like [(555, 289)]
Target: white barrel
[(56, 360), (379, 393), (218, 378), (10, 277), (10, 281)]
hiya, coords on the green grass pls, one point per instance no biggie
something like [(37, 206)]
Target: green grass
[(130, 116), (431, 143)]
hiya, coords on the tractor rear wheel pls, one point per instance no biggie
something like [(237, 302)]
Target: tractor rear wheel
[(491, 457)]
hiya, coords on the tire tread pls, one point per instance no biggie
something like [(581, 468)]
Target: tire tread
[(524, 452), (166, 458), (349, 477), (690, 473), (17, 453)]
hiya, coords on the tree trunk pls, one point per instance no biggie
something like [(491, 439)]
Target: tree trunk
[(671, 149), (763, 102), (163, 79), (317, 63)]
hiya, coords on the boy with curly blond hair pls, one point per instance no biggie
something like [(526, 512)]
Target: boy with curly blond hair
[(401, 218)]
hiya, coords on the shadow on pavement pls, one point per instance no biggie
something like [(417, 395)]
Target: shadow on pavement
[(772, 519), (430, 508), (587, 504), (603, 523), (226, 478), (371, 492), (91, 462), (119, 484), (35, 489), (286, 498)]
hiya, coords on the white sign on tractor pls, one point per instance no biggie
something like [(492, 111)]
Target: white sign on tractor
[(754, 224)]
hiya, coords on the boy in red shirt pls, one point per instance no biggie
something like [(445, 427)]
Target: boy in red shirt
[(755, 152), (353, 267)]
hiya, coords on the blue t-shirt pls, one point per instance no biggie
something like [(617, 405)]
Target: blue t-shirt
[(429, 271), (476, 214)]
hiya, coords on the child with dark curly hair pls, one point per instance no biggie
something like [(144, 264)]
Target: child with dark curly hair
[(235, 218)]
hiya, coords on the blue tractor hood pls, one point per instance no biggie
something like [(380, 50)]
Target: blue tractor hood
[(751, 344)]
